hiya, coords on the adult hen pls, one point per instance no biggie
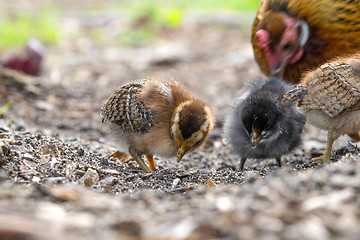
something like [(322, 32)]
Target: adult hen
[(260, 125), (330, 97), (291, 36)]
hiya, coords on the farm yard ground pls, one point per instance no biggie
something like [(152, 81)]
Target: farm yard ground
[(58, 181)]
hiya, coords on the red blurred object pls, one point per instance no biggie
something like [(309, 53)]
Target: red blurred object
[(30, 62)]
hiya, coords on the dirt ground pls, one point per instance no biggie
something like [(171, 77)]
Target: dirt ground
[(57, 180)]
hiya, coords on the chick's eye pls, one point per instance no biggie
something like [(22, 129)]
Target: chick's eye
[(248, 129), (267, 125), (198, 143)]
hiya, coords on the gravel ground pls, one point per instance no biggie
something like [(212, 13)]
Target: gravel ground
[(57, 180)]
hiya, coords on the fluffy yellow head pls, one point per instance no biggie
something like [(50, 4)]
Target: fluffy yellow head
[(191, 123)]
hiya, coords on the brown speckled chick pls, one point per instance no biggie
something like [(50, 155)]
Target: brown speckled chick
[(330, 96), (156, 117)]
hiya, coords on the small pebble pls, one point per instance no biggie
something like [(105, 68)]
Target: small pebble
[(175, 182), (36, 179), (90, 177)]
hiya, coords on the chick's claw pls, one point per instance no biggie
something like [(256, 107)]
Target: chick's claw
[(322, 159)]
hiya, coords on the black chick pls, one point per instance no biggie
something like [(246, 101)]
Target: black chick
[(260, 125)]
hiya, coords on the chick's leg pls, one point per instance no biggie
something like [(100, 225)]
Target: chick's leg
[(278, 162), (242, 163), (116, 154), (120, 155), (151, 162), (134, 153), (326, 157)]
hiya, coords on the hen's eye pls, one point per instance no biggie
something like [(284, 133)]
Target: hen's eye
[(286, 46)]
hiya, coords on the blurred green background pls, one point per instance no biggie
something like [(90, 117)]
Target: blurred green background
[(44, 19)]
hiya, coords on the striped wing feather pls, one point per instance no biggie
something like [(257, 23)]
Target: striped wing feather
[(127, 109)]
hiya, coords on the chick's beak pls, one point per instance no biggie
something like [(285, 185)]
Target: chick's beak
[(256, 136), (181, 152)]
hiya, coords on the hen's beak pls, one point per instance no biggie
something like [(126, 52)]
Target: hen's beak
[(181, 152), (277, 70), (256, 136)]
